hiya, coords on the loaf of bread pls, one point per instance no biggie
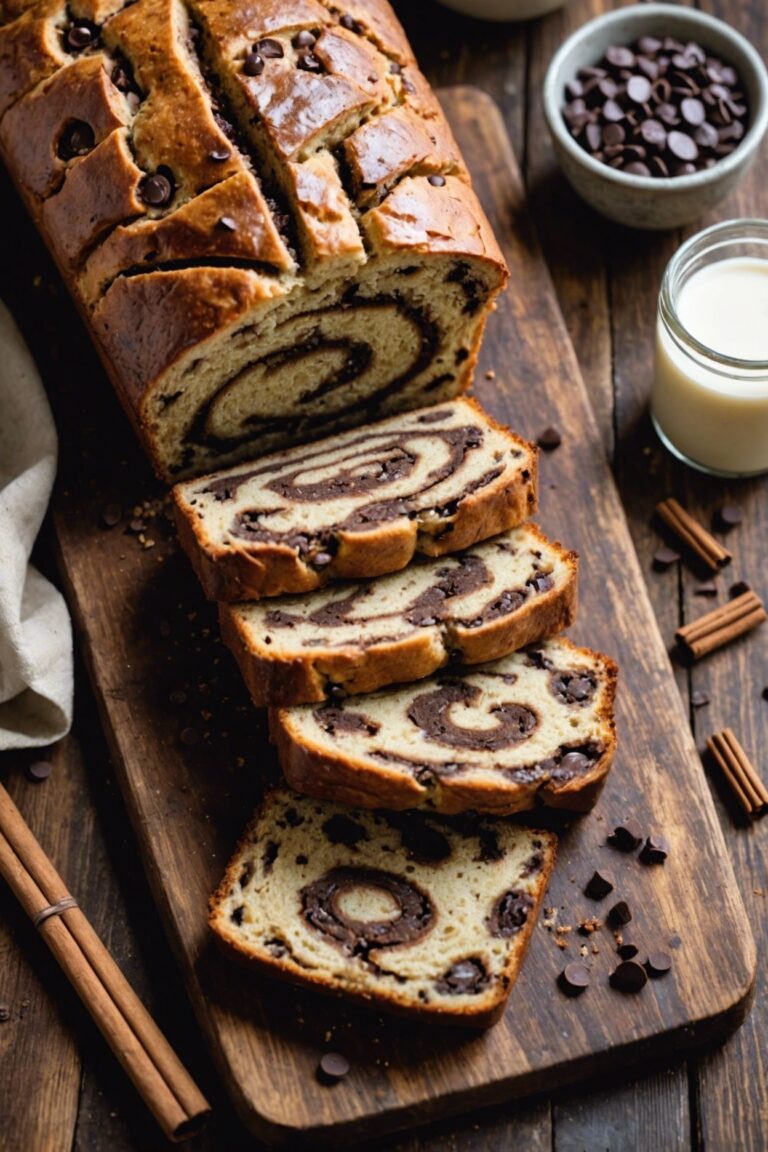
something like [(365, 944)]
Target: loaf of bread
[(470, 607), (408, 913), (259, 208), (358, 504), (536, 727)]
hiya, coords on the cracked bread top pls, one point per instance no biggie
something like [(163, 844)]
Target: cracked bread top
[(189, 161)]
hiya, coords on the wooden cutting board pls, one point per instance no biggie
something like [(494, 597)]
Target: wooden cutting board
[(192, 755)]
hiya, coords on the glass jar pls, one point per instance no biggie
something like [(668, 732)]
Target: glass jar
[(710, 404)]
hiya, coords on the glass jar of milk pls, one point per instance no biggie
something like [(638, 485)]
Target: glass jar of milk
[(709, 400)]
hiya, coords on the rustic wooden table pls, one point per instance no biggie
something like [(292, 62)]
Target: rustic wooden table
[(60, 1088)]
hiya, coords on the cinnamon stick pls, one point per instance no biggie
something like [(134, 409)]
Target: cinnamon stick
[(743, 780), (146, 1056), (722, 625), (693, 535)]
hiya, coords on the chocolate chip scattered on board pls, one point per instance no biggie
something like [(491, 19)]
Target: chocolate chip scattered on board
[(574, 979), (549, 439), (658, 964), (620, 913), (332, 1068), (627, 836), (599, 885), (629, 976), (665, 558), (655, 850)]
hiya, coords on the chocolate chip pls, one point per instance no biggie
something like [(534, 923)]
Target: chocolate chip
[(573, 763), (765, 693), (620, 57), (39, 770), (574, 979), (341, 829), (332, 1068), (189, 736), (693, 111), (655, 850), (629, 977), (436, 180), (729, 516), (76, 140), (658, 964), (627, 950), (253, 65), (304, 39), (228, 224), (627, 836), (699, 699), (682, 147), (80, 36), (639, 89), (708, 588), (620, 913), (111, 515), (739, 588), (220, 155), (637, 168), (321, 559), (269, 49), (665, 558), (599, 885), (308, 62), (466, 977), (156, 190), (549, 439), (351, 24)]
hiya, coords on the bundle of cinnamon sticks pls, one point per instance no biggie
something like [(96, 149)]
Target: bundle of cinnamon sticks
[(717, 628), (146, 1056)]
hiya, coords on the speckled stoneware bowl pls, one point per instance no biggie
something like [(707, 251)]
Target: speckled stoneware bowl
[(646, 201)]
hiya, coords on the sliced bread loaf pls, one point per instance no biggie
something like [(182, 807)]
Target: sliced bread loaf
[(358, 504), (536, 727), (478, 605), (410, 913)]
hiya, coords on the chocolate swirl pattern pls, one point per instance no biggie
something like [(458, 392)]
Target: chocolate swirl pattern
[(261, 212), (411, 913), (349, 638), (498, 738), (358, 504)]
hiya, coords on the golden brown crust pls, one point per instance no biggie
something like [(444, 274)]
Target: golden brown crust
[(277, 681), (343, 779)]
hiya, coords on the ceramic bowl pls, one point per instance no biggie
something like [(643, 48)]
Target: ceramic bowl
[(646, 201), (503, 9)]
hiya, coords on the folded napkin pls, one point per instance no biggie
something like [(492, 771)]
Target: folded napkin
[(35, 633)]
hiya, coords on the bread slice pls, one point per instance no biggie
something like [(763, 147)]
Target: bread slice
[(478, 605), (357, 504), (409, 913), (533, 728)]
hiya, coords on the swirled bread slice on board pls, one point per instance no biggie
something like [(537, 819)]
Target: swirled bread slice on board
[(357, 504), (477, 605), (409, 913), (533, 728)]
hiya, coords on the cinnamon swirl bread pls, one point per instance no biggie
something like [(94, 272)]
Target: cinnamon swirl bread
[(470, 607), (259, 208), (533, 728), (408, 913), (358, 504)]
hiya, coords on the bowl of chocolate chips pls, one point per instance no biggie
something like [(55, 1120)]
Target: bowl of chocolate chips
[(656, 112)]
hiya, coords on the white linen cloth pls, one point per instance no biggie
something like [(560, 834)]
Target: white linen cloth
[(36, 675)]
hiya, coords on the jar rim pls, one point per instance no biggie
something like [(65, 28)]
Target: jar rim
[(727, 231)]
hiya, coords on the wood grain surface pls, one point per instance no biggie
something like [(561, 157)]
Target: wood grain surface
[(192, 754), (59, 1088)]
